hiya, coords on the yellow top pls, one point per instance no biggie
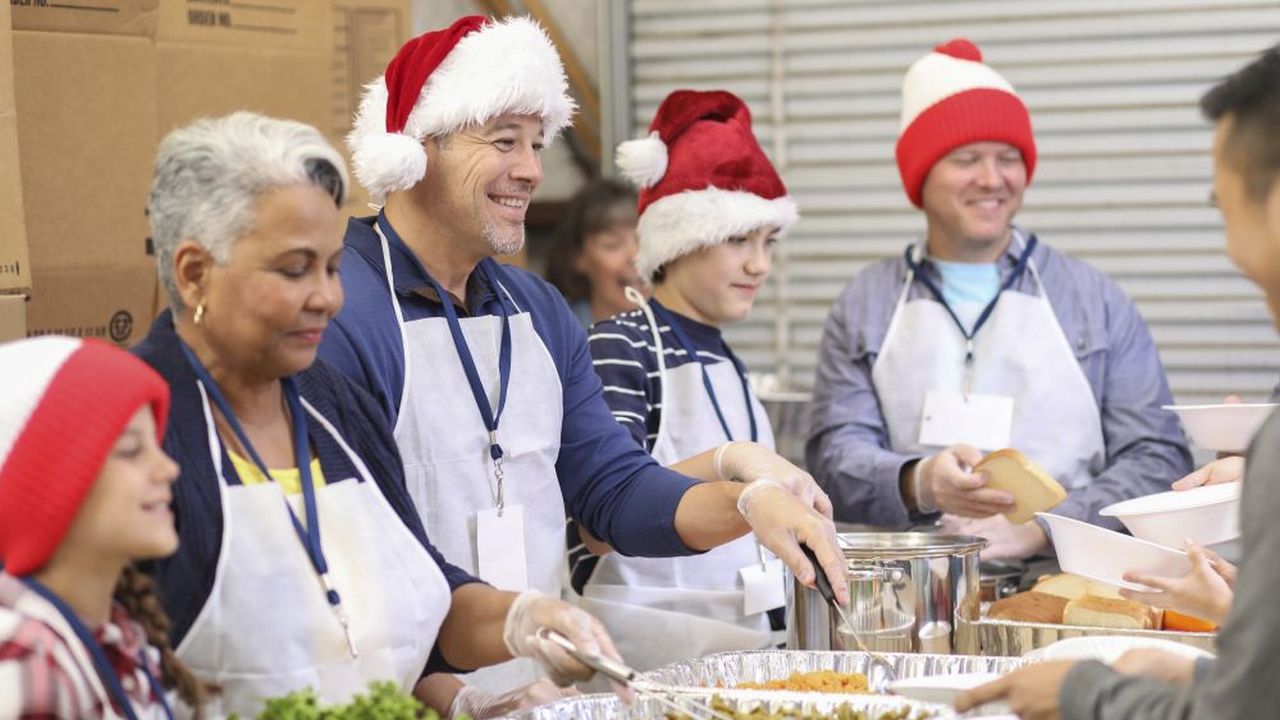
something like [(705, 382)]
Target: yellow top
[(289, 479)]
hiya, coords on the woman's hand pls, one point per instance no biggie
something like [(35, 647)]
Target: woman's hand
[(1205, 592), (532, 611), (1223, 470), (479, 704)]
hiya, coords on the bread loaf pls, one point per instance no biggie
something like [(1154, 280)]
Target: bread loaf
[(1071, 587), (1118, 613), (1032, 489), (1031, 606)]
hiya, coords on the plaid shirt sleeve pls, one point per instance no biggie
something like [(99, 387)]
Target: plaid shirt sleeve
[(41, 677)]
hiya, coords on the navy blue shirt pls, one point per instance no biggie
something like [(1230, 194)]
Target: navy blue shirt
[(186, 578), (609, 483)]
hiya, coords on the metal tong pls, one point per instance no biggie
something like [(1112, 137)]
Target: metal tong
[(620, 672), (825, 590)]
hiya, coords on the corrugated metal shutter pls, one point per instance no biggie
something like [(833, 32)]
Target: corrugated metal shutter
[(1124, 171)]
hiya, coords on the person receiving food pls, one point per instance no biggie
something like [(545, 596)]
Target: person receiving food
[(711, 209), (592, 262), (303, 562), (84, 493), (1240, 683), (482, 369), (980, 337)]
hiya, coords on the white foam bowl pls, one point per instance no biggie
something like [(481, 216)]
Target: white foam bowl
[(1223, 428), (1109, 648), (1205, 515), (1105, 555)]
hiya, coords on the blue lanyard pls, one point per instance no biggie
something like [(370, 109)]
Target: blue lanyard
[(969, 335), (670, 319), (309, 535), (491, 416), (100, 662)]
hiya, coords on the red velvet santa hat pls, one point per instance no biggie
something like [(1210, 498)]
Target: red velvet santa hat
[(65, 403), (445, 80), (950, 98), (703, 176)]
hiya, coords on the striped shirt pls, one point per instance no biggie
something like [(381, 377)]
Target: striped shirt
[(626, 359), (42, 677)]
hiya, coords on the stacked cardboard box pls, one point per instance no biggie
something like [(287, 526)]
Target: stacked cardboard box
[(97, 83)]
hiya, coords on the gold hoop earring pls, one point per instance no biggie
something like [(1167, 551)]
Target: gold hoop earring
[(199, 313)]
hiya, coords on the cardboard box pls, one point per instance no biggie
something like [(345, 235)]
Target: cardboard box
[(92, 88), (15, 265), (13, 317)]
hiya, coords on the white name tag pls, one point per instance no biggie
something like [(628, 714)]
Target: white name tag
[(500, 548), (950, 418), (763, 588)]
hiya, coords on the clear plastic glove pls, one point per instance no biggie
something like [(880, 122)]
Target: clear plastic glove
[(1004, 539), (1205, 592), (480, 705), (781, 521), (747, 462), (1223, 470), (947, 483), (530, 611)]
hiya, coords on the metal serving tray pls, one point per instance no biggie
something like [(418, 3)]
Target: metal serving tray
[(730, 668), (609, 707), (1009, 638)]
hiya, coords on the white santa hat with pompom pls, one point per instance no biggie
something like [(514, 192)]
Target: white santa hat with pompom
[(445, 80)]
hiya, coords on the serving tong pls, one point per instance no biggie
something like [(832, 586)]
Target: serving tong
[(672, 698)]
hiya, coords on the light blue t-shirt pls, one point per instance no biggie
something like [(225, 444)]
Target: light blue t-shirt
[(968, 287)]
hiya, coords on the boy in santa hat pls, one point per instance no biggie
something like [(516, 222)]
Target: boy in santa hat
[(483, 370), (978, 338), (711, 209)]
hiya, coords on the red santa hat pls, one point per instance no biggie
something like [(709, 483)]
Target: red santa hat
[(703, 176), (66, 401), (444, 80), (950, 98)]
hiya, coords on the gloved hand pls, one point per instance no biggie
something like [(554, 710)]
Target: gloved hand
[(748, 461), (781, 521), (480, 705), (530, 611)]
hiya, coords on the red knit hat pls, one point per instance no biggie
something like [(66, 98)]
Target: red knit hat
[(951, 99), (445, 80), (703, 176), (66, 401)]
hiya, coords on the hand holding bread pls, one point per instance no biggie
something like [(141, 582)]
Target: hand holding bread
[(947, 482), (1031, 488)]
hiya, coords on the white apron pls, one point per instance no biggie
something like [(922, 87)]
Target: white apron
[(267, 629), (664, 610), (1021, 352), (445, 448)]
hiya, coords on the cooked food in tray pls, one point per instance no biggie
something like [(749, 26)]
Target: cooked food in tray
[(825, 681), (843, 712), (1072, 600)]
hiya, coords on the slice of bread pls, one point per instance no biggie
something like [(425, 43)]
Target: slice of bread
[(1032, 489), (1029, 606), (1071, 587), (1117, 613)]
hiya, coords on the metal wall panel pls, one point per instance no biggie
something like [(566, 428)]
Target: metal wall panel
[(1123, 175)]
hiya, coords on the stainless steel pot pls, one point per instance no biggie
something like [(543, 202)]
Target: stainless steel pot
[(910, 592)]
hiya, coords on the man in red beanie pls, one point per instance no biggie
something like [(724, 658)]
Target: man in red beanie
[(482, 369), (980, 338)]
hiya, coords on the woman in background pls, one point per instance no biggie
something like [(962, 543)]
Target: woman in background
[(593, 260)]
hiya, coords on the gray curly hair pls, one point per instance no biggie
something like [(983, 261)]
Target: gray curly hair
[(209, 175)]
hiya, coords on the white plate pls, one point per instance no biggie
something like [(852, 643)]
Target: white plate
[(1206, 515), (1224, 428), (1105, 555), (1109, 648), (944, 689)]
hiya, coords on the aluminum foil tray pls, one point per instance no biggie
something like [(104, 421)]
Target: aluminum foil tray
[(609, 707), (730, 668), (1009, 638)]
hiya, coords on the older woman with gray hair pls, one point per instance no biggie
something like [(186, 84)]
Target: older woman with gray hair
[(303, 562)]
